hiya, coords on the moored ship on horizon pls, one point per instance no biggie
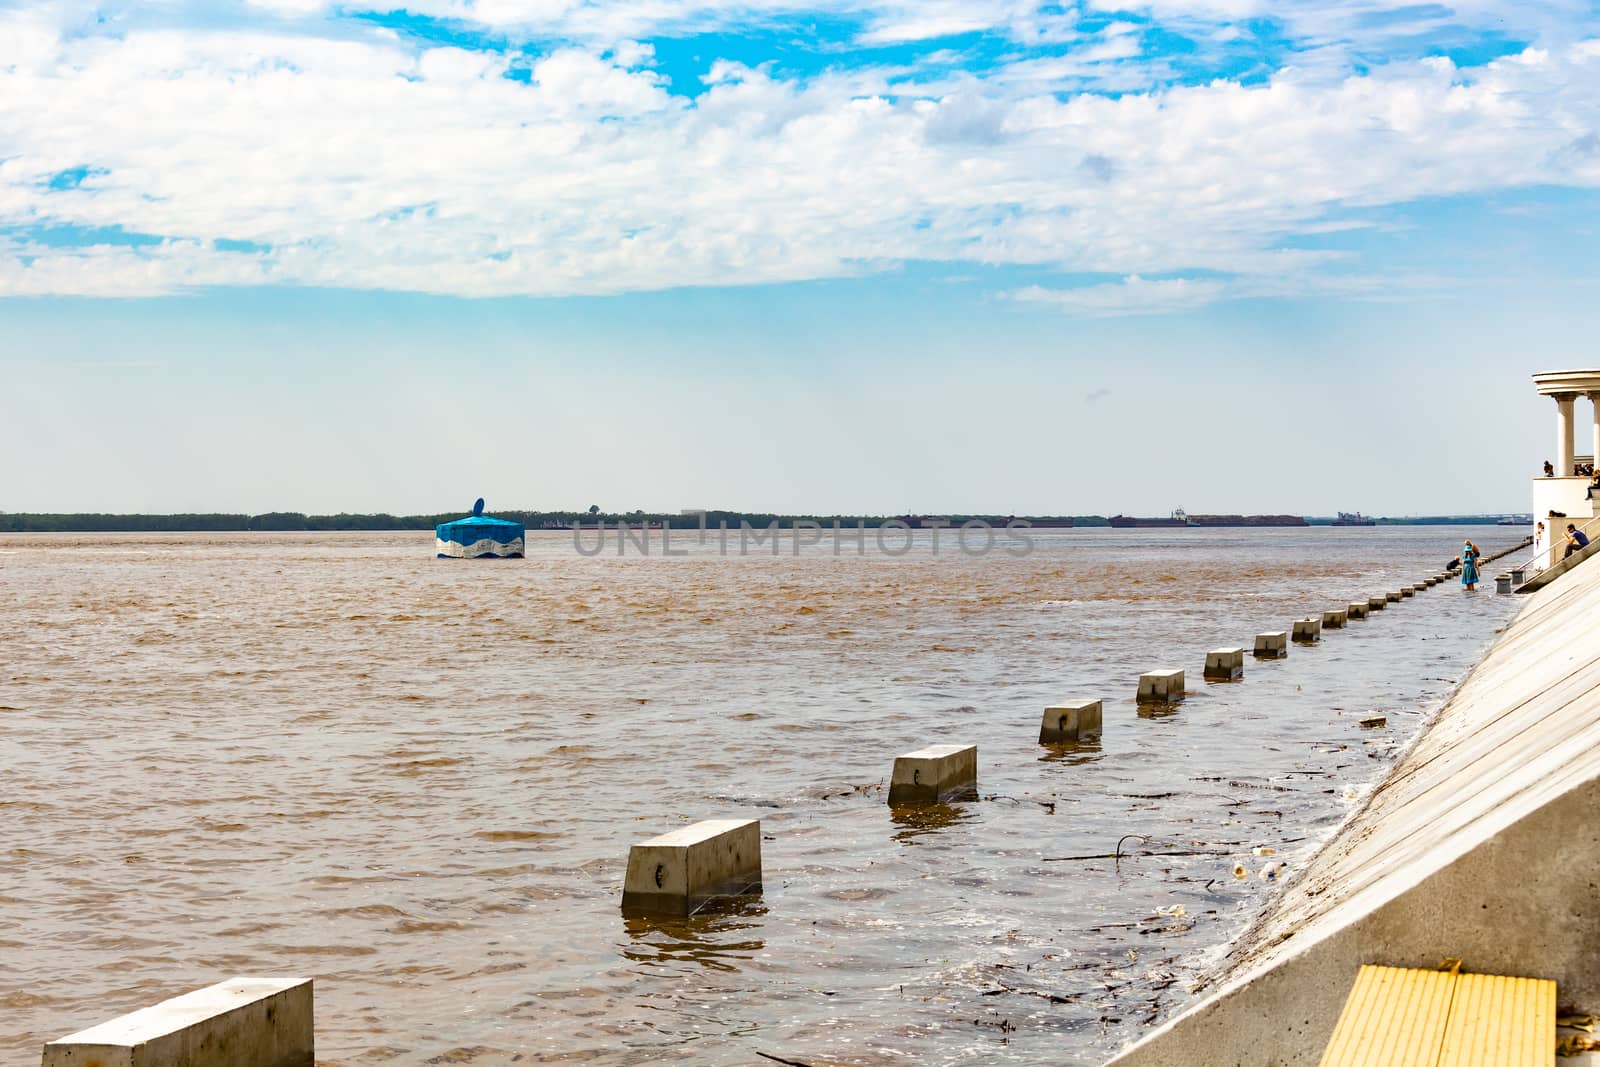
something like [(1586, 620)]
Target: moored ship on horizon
[(1183, 518), (1121, 522), (1353, 518)]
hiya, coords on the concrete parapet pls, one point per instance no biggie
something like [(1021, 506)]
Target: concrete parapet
[(1272, 645), (1356, 611), (1072, 720), (1160, 687), (242, 1022), (1307, 631), (1224, 664), (933, 774), (677, 872), (1335, 619)]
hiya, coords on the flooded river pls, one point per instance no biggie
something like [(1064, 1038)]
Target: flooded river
[(417, 780)]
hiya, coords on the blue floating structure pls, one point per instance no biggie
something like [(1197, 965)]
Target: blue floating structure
[(478, 536)]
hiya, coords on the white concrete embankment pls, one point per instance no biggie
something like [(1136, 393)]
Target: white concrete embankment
[(1483, 843)]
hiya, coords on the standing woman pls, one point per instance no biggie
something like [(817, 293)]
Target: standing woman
[(1469, 565)]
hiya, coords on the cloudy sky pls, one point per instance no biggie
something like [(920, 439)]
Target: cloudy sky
[(854, 255)]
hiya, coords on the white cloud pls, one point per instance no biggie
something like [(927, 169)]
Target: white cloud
[(363, 160), (1132, 295)]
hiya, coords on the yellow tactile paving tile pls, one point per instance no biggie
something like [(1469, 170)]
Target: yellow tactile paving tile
[(1394, 1017), (1501, 1022), (1402, 1017)]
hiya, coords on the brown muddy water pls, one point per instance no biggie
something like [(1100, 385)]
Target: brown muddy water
[(417, 780)]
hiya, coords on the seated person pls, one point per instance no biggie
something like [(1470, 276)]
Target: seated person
[(1575, 541), (1594, 483), (1549, 469)]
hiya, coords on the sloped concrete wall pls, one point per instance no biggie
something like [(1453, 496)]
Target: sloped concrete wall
[(1483, 843)]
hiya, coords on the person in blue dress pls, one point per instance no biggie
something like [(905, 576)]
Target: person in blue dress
[(1469, 565)]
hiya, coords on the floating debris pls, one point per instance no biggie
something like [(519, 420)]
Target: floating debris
[(1176, 911), (1263, 850), (1241, 871), (1375, 720), (1576, 1044), (1271, 872)]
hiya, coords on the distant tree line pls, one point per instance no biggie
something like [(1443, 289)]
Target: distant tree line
[(93, 522)]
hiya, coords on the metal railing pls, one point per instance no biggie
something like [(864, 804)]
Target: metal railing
[(1588, 527)]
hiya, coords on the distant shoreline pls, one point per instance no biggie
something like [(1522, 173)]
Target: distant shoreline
[(90, 522)]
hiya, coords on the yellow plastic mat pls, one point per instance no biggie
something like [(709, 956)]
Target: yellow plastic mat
[(1403, 1017)]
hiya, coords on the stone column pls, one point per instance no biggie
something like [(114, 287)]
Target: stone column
[(1564, 434), (1594, 452)]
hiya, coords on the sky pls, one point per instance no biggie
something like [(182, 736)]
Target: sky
[(792, 255)]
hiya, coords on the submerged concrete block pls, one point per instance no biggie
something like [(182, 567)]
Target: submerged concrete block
[(1072, 720), (1356, 611), (1307, 631), (1408, 590), (1392, 596), (242, 1022), (1377, 603), (676, 873), (1335, 619), (1160, 687), (1502, 583), (930, 775), (1273, 644), (1225, 664), (1516, 575)]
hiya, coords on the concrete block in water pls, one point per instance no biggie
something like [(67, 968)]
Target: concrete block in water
[(1335, 619), (1516, 575), (1502, 583), (242, 1022), (1307, 631), (1408, 590), (1272, 645), (1377, 603), (932, 774), (677, 872), (1160, 687), (1392, 596), (1225, 664), (1072, 720), (1356, 611)]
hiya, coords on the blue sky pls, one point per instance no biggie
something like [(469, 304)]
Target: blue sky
[(850, 255)]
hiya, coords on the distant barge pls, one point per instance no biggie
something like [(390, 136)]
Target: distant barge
[(1182, 518), (925, 522)]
